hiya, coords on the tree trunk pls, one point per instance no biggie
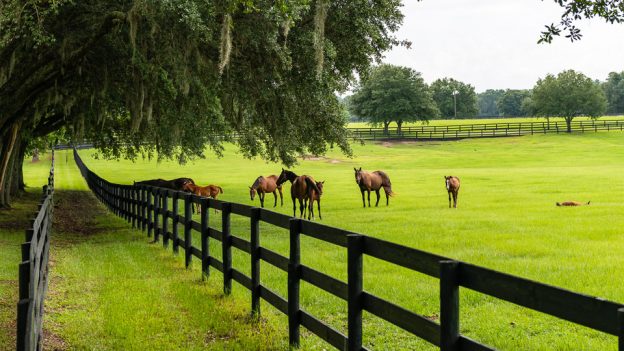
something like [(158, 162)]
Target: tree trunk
[(569, 124), (35, 157), (547, 123), (399, 124), (17, 183), (7, 154), (386, 124)]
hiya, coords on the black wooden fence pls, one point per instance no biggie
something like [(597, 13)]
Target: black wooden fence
[(146, 208), (484, 130), (33, 272)]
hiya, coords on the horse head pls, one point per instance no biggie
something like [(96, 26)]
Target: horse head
[(188, 186), (358, 175), (252, 193), (319, 185)]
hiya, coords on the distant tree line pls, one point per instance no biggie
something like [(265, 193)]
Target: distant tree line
[(394, 94)]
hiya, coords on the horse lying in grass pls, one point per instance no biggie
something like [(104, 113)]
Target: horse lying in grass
[(263, 185), (376, 180), (211, 190), (572, 203), (452, 187)]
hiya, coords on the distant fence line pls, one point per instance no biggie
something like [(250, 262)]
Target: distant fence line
[(146, 207), (33, 272), (484, 130)]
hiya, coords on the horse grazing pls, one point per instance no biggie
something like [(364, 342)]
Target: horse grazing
[(572, 203), (314, 196), (373, 181), (452, 187), (299, 189), (173, 184), (208, 191), (263, 185)]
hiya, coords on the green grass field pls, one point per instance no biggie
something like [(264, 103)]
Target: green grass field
[(507, 220)]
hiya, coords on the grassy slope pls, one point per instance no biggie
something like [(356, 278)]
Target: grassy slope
[(507, 221), (13, 222)]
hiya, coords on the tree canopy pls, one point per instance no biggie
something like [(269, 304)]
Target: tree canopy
[(466, 98), (486, 102), (510, 103), (169, 78), (570, 94), (614, 91), (393, 94)]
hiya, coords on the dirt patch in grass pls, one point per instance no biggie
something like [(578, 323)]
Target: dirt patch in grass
[(391, 143), (53, 341), (75, 213)]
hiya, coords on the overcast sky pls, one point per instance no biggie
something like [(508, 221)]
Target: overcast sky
[(492, 44)]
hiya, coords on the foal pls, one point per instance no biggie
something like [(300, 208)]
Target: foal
[(315, 196), (452, 187), (208, 191)]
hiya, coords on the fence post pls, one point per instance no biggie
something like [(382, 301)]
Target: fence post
[(150, 212), (621, 329), (165, 218), (226, 245), (143, 196), (188, 218), (449, 306), (355, 243), (205, 248), (156, 212), (294, 277), (176, 197), (255, 261)]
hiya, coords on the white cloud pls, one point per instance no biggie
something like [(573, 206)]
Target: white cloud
[(492, 44)]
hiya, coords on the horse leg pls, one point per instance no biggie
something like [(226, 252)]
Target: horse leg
[(294, 207), (319, 208), (387, 197), (368, 198), (301, 208), (455, 199), (275, 196), (449, 194), (261, 198), (311, 210), (363, 199), (377, 192), (281, 196)]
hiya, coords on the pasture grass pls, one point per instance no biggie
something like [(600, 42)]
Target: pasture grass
[(13, 223), (507, 220)]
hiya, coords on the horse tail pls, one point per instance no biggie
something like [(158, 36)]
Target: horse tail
[(220, 190), (385, 183), (310, 183), (588, 202)]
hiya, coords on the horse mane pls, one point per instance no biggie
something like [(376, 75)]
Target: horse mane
[(255, 185), (312, 184)]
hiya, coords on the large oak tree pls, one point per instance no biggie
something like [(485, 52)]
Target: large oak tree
[(170, 78)]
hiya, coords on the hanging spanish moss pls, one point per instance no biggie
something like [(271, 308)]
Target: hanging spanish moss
[(226, 42), (286, 29), (319, 34)]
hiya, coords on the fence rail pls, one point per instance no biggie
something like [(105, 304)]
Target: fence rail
[(484, 130), (33, 272), (145, 207)]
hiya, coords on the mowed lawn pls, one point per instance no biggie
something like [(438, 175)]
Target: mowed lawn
[(507, 220)]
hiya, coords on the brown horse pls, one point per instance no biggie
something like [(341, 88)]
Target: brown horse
[(452, 187), (572, 203), (264, 185), (299, 189), (173, 184), (373, 181), (208, 191), (314, 196)]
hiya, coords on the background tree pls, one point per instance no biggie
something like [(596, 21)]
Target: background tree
[(612, 11), (393, 94), (510, 103), (171, 78), (570, 94), (614, 91), (486, 102), (442, 90)]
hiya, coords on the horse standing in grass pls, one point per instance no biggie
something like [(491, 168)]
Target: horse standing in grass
[(373, 181), (173, 184), (264, 185), (314, 196), (299, 189), (452, 187)]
